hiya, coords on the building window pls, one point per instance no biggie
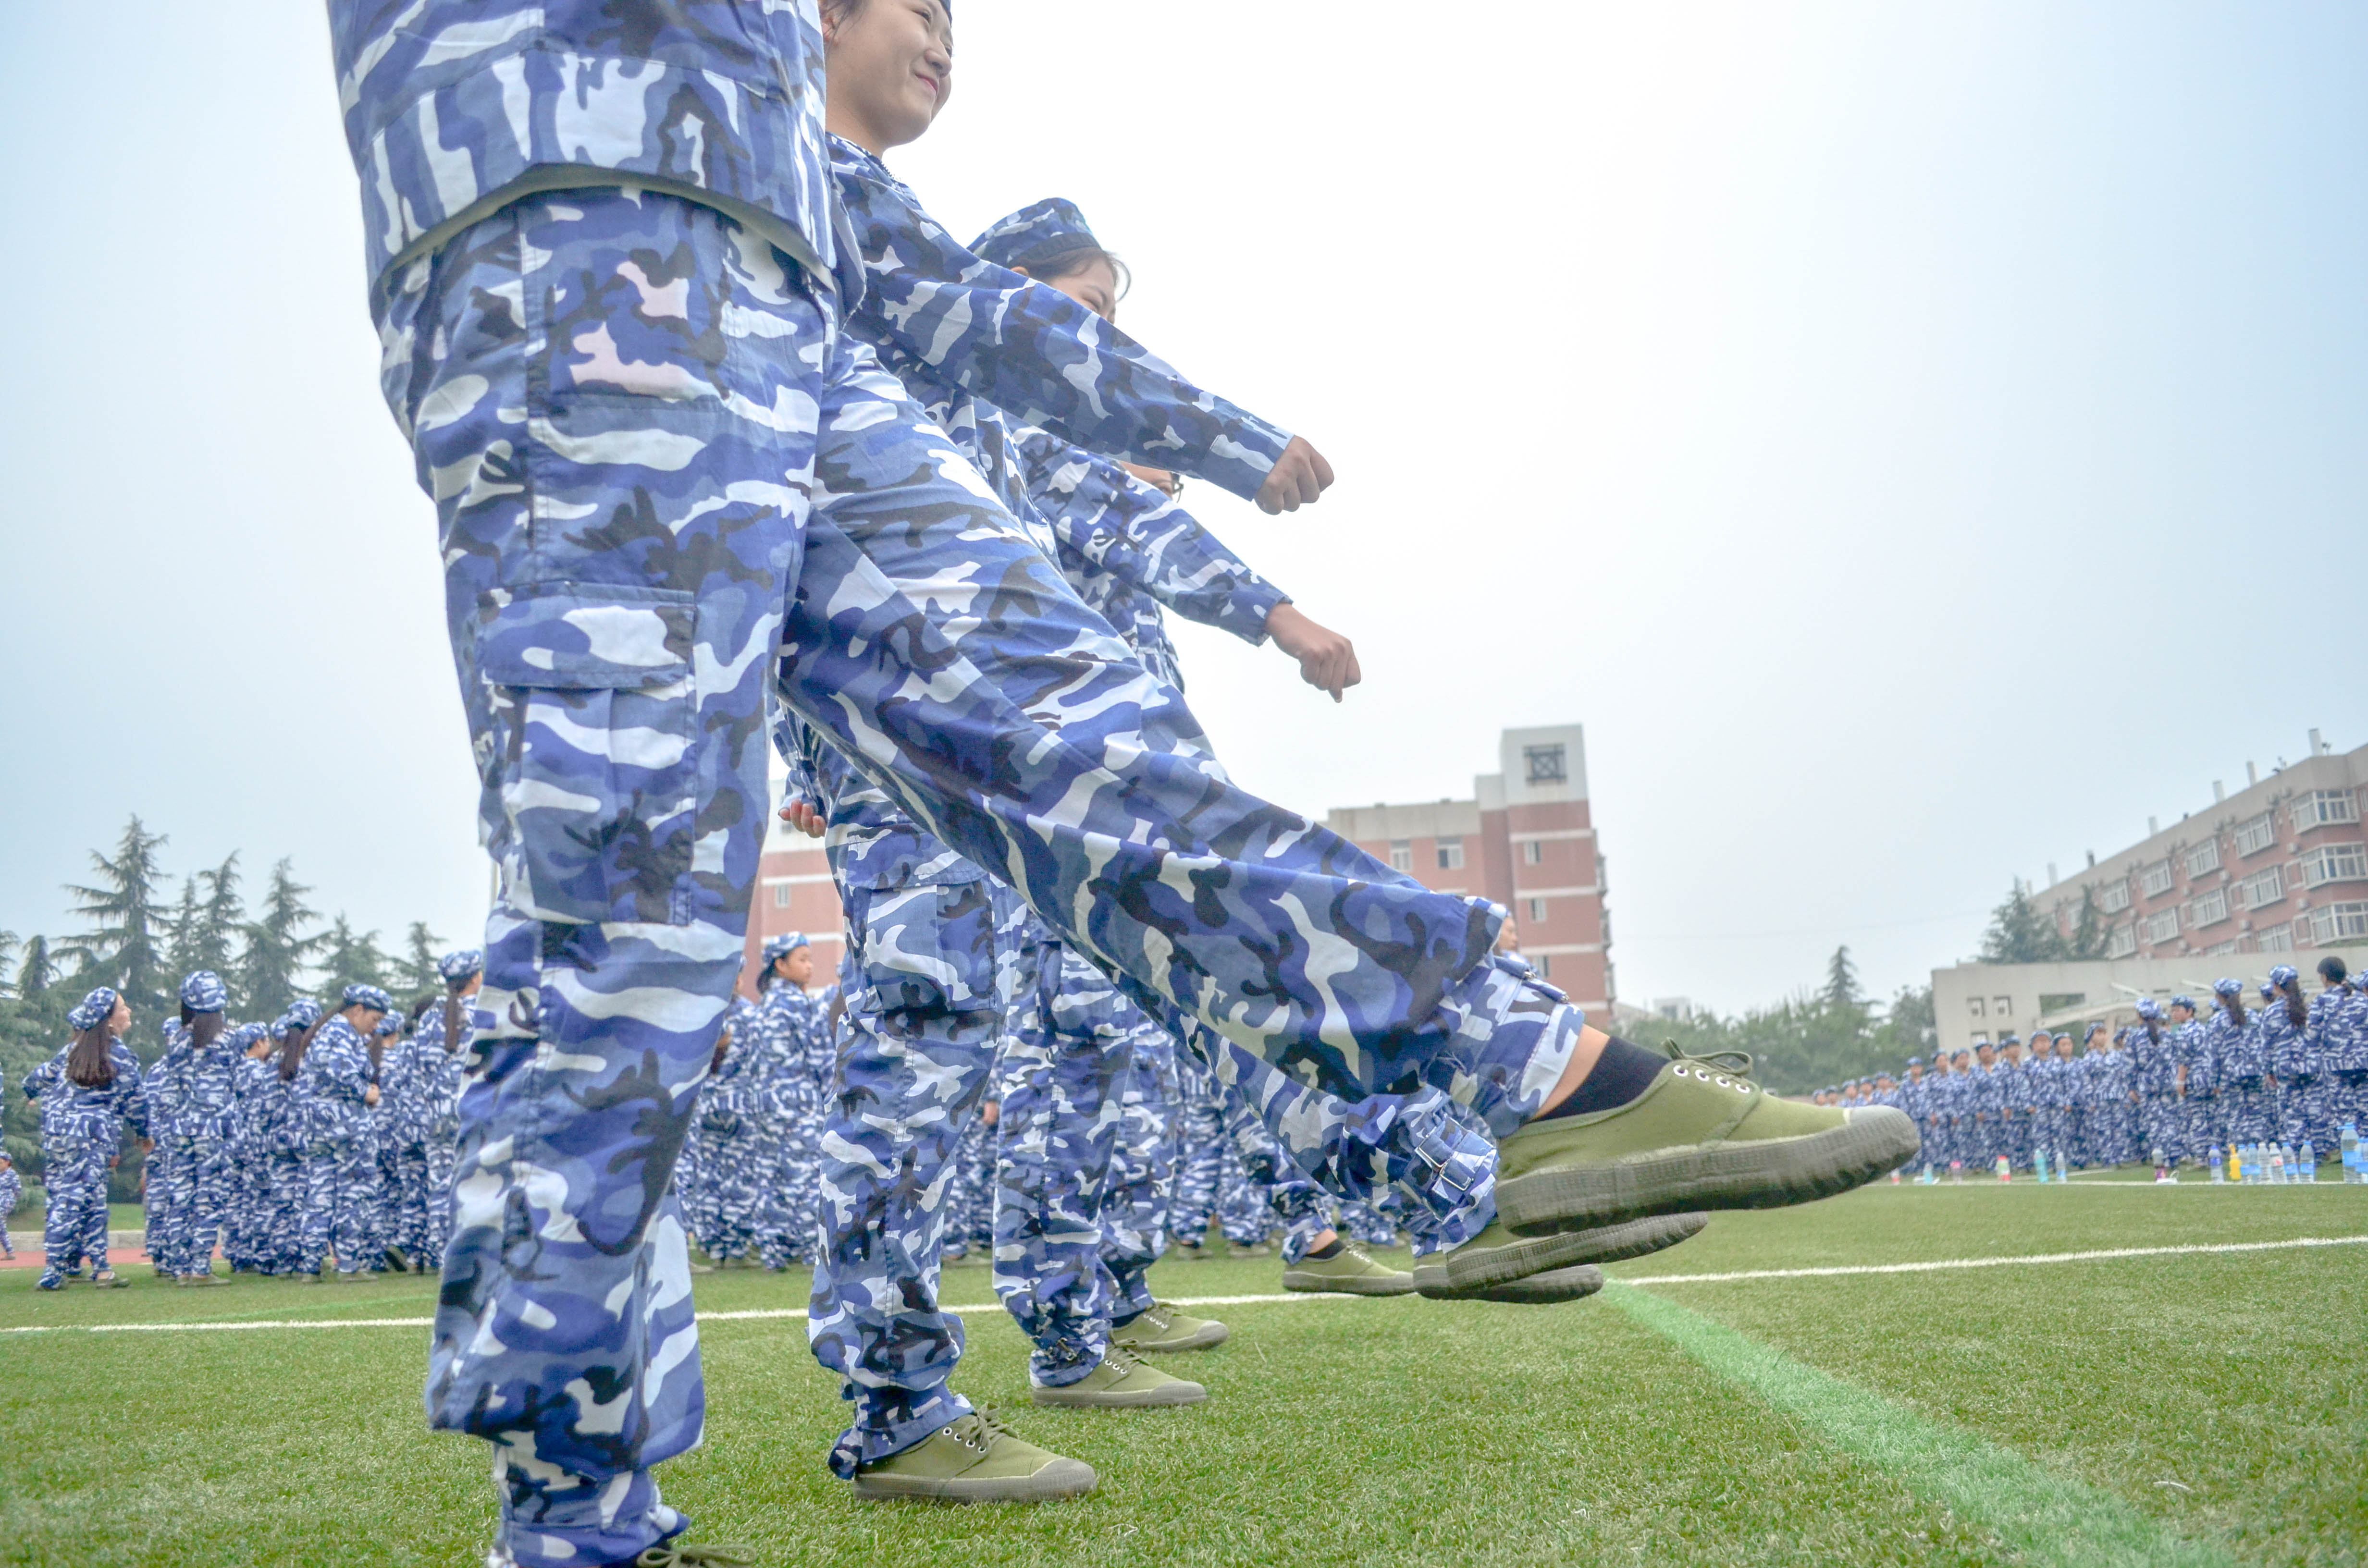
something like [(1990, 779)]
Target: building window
[(1973, 1005), (1451, 854), (2320, 807), (2276, 939), (1537, 910), (1533, 853), (2218, 949), (2263, 887), (2256, 836), (1545, 966), (2113, 897), (781, 895), (2335, 863), (2002, 1006), (1544, 765), (1401, 855), (2338, 922), (2210, 909), (2155, 880), (2122, 943), (2204, 859), (2159, 927)]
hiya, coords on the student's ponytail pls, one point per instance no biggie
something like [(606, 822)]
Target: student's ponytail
[(2296, 1013), (90, 1063), (291, 1051), (2235, 1005)]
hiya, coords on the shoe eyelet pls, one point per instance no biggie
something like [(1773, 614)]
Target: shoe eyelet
[(1722, 1082), (1680, 1072)]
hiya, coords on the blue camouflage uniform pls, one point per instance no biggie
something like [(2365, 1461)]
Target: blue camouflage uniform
[(341, 1178), (12, 1192), (1916, 1099), (247, 1239), (2162, 1120), (190, 1111), (286, 1134), (81, 1128), (2240, 1056), (2200, 1121), (437, 1061), (2294, 1102), (797, 1061), (2046, 1086), (2121, 1140), (703, 436), (2339, 1020)]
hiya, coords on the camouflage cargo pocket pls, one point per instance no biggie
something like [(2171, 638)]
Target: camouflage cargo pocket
[(595, 718)]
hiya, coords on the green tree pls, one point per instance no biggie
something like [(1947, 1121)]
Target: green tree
[(351, 959), (123, 947), (207, 931), (280, 944), (417, 973), (2090, 931), (1907, 1028), (32, 1027), (2019, 933), (1841, 982)]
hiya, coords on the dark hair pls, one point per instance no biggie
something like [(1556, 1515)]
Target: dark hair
[(452, 997), (2235, 1005), (2154, 1030), (2296, 1013), (1051, 270), (420, 1005), (207, 1028), (2331, 970), (90, 1063), (291, 1051)]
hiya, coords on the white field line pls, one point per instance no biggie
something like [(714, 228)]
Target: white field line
[(792, 1313), (1940, 1265), (753, 1315)]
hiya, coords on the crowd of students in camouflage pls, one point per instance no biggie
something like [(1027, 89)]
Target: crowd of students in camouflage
[(2278, 1067)]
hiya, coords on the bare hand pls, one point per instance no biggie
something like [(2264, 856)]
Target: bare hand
[(1298, 477), (1327, 659), (988, 1110), (804, 817), (369, 1094)]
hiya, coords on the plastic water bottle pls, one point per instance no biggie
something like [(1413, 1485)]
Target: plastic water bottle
[(2309, 1162), (2039, 1162), (2243, 1160), (2277, 1165), (2293, 1164), (2351, 1146), (2219, 1167)]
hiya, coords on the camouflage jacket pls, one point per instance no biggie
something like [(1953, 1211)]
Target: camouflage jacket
[(86, 1113)]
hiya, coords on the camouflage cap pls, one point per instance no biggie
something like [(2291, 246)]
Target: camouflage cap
[(301, 1014), (205, 993), (2225, 988), (2149, 1009), (1037, 235), (243, 1036), (456, 967), (94, 1009), (370, 996), (2285, 975), (2186, 1002)]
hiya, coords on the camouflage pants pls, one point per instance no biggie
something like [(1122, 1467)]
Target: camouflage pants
[(2204, 1125), (1366, 1223), (341, 1182), (409, 1227), (1200, 1143), (1142, 1169), (74, 1177), (2165, 1127), (2249, 1110), (1273, 1188), (163, 1193), (440, 1156), (923, 1018), (970, 1190), (648, 445), (2305, 1108), (788, 1196), (287, 1215), (213, 1198)]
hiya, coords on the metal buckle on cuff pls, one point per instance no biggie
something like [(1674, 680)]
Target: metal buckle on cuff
[(1443, 1174)]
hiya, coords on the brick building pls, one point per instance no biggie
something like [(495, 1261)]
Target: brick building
[(1525, 840), (2279, 867), (795, 891)]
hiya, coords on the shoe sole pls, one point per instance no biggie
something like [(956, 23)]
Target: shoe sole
[(1464, 1272), (1208, 1335), (1544, 1290), (1061, 1478), (1769, 1173), (1325, 1285), (1165, 1394)]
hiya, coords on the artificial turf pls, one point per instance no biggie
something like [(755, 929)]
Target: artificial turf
[(1340, 1431)]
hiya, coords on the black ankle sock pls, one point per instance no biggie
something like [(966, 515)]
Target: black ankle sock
[(1621, 1072), (1329, 1249)]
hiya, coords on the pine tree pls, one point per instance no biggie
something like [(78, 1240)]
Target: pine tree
[(183, 936), (1841, 981), (221, 918), (122, 947), (2019, 933), (37, 971), (2090, 930), (280, 944), (352, 960), (418, 972)]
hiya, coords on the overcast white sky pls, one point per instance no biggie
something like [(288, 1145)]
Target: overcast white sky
[(1917, 442)]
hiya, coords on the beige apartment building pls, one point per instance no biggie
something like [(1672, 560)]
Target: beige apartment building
[(2279, 867), (1524, 839)]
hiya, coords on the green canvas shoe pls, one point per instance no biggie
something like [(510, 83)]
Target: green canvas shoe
[(1121, 1382), (1496, 1257), (1542, 1289), (1352, 1271), (1702, 1136), (1161, 1330), (973, 1458)]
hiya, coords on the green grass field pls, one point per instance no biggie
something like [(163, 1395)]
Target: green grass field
[(2202, 1408)]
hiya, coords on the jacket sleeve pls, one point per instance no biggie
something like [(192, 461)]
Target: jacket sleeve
[(1112, 522), (1034, 352), (133, 1104)]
